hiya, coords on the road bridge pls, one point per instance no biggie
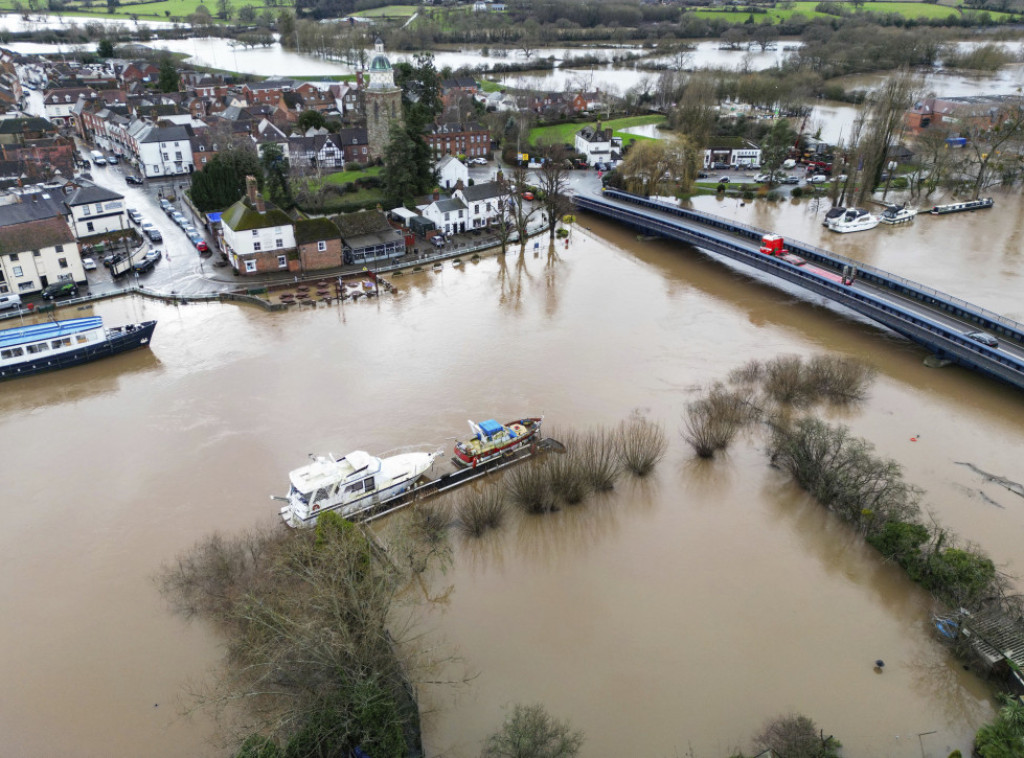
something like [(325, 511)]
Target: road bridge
[(933, 319)]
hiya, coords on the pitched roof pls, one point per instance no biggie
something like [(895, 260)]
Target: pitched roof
[(33, 235), (33, 207), (361, 222), (242, 217), (315, 230), (484, 191), (95, 194)]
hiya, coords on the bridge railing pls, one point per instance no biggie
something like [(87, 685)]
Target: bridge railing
[(838, 260)]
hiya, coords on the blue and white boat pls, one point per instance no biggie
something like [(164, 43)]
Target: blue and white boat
[(35, 348)]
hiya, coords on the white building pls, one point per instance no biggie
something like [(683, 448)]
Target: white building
[(484, 204), (598, 145), (38, 248), (450, 215), (96, 210), (732, 151), (450, 170), (257, 238), (162, 150), (59, 104)]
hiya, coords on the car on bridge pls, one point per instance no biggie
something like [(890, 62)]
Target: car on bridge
[(984, 338)]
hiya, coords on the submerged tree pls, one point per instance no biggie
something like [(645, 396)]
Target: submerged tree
[(313, 630), (531, 732)]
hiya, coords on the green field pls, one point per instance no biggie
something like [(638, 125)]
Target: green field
[(389, 11), (566, 133), (907, 10), (164, 10)]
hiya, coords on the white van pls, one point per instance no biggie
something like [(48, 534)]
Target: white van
[(9, 301), (98, 158)]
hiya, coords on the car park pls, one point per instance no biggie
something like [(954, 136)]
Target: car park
[(65, 288), (89, 264), (984, 338)]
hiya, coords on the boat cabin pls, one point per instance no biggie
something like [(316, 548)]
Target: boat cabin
[(27, 342)]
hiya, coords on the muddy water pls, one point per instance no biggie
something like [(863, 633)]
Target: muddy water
[(681, 613)]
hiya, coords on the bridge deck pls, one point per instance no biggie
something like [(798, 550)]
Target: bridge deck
[(938, 321)]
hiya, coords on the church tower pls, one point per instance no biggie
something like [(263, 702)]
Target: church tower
[(382, 101)]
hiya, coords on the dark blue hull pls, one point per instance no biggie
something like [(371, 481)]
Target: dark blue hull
[(121, 340)]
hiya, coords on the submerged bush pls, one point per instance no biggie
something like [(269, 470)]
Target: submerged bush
[(598, 459), (711, 423), (569, 481), (430, 521), (642, 444), (529, 487), (478, 511)]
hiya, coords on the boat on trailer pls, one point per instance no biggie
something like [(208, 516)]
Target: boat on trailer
[(35, 348), (968, 205), (897, 214), (350, 485), (491, 440)]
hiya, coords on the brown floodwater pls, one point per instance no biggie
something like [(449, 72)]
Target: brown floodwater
[(674, 615)]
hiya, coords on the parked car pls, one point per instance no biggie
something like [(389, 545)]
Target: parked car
[(133, 180), (135, 216), (154, 234), (791, 180), (99, 160), (89, 264), (178, 218), (202, 247), (702, 174), (984, 338), (762, 177), (527, 195), (144, 265), (166, 205), (110, 260), (112, 160), (60, 289), (817, 179), (155, 254), (724, 180)]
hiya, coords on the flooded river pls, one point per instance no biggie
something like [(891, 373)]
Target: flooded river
[(675, 615)]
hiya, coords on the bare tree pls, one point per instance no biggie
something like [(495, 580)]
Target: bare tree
[(696, 113), (796, 736), (521, 213), (885, 123), (553, 182), (530, 732), (989, 130)]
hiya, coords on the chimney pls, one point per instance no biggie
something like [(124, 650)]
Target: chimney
[(359, 78), (458, 184), (250, 189), (437, 193)]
